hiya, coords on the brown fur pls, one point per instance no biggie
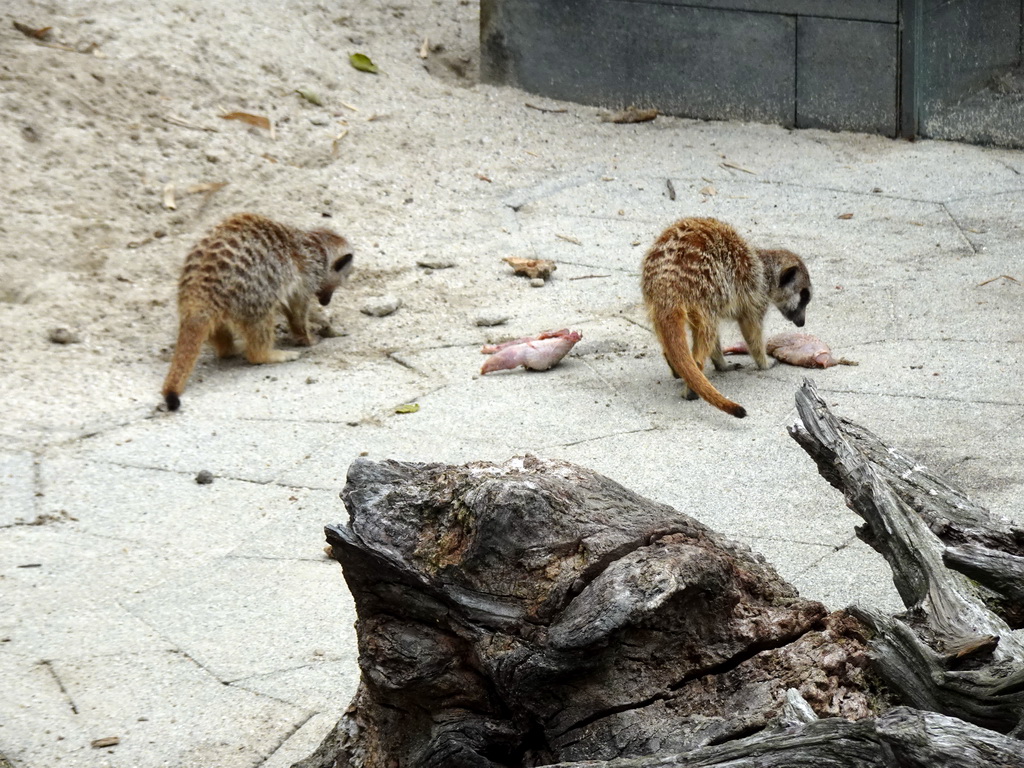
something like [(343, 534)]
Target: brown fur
[(700, 272), (237, 277)]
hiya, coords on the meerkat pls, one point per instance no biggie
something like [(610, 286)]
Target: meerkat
[(699, 272), (237, 277)]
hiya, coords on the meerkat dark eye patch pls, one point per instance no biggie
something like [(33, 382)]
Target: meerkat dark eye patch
[(788, 275), (341, 262), (805, 297)]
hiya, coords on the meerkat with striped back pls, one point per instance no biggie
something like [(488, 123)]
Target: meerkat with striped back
[(236, 279), (699, 272)]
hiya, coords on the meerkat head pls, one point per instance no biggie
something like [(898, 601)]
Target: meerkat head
[(789, 283), (337, 254)]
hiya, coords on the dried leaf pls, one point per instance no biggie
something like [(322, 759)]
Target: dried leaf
[(109, 741), (630, 115), (173, 120), (568, 239), (362, 62), (257, 120), (546, 109), (999, 277), (531, 268), (738, 168), (336, 142), (708, 190), (311, 96), (408, 408), (169, 203), (38, 34), (483, 177), (209, 187), (845, 216), (424, 49)]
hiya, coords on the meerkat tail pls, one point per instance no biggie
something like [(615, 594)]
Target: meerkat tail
[(192, 332), (670, 325)]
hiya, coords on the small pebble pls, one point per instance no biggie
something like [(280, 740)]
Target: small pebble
[(537, 282), (434, 262), (489, 321), (205, 477), (382, 306), (63, 336)]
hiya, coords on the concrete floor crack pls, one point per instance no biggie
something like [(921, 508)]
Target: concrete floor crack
[(960, 229), (287, 735), (48, 666)]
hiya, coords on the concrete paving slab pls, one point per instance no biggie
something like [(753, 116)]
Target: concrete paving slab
[(853, 575), (868, 582), (117, 503), (304, 686), (392, 439), (305, 391), (254, 450), (151, 700), (716, 475), (293, 529), (17, 488), (38, 721), (59, 605), (249, 616), (978, 446), (301, 744)]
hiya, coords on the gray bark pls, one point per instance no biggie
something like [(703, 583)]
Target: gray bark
[(535, 613), (950, 651)]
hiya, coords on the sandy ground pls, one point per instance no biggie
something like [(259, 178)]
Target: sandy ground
[(122, 101)]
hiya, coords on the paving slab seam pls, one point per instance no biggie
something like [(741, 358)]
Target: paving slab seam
[(832, 549), (927, 398), (284, 739), (810, 187), (786, 540), (526, 195), (311, 558), (933, 340), (396, 357), (600, 437), (960, 228)]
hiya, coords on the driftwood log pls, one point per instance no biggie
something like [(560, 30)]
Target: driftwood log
[(536, 613)]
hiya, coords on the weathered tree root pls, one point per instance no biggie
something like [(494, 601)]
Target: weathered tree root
[(950, 652), (534, 613)]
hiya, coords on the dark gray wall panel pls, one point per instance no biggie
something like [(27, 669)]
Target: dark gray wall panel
[(846, 75), (687, 61), (963, 43), (864, 10)]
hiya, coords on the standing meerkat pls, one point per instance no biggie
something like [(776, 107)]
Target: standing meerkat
[(700, 272), (235, 279)]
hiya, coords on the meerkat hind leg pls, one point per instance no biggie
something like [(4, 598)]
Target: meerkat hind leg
[(259, 343), (224, 342)]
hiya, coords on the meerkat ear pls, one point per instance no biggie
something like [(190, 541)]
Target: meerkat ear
[(788, 276), (341, 262)]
